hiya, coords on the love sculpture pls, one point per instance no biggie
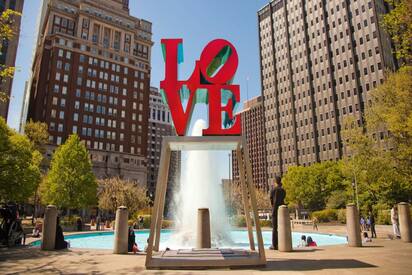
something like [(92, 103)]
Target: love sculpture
[(210, 83)]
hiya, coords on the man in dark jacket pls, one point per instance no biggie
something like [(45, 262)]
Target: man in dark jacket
[(277, 198)]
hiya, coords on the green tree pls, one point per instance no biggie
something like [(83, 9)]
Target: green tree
[(391, 109), (378, 178), (70, 182), (115, 192), (37, 134), (7, 32), (19, 165), (398, 23), (310, 187)]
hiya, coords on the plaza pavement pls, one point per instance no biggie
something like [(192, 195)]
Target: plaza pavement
[(382, 256)]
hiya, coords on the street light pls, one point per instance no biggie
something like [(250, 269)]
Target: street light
[(355, 188)]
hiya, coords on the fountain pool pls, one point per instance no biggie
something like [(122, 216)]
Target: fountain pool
[(104, 240)]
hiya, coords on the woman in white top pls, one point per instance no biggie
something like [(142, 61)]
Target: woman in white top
[(394, 220)]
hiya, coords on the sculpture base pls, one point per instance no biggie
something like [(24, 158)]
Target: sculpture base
[(204, 259)]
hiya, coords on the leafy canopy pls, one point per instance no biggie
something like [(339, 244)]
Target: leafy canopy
[(70, 182), (7, 32), (37, 134), (115, 192), (19, 165)]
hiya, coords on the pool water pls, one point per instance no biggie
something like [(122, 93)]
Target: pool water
[(104, 240)]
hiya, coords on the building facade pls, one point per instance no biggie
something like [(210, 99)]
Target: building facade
[(91, 77), (253, 129), (319, 61), (9, 51), (160, 125)]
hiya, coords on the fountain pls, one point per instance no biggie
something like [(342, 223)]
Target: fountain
[(199, 188)]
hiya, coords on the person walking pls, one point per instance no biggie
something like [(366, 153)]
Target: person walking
[(394, 220), (362, 223), (277, 198), (372, 224), (315, 223)]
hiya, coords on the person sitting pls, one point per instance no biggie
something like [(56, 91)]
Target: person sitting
[(302, 242), (36, 231), (311, 242), (60, 242), (366, 238), (131, 242)]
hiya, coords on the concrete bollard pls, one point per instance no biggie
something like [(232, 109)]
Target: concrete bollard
[(121, 233), (353, 226), (405, 224), (48, 239), (203, 228), (284, 231)]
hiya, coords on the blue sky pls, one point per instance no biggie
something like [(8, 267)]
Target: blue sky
[(197, 22)]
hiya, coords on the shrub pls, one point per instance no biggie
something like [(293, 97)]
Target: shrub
[(265, 223), (341, 215), (69, 220), (239, 221), (325, 215), (167, 224), (147, 219)]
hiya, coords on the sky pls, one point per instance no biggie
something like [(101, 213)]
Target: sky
[(196, 22)]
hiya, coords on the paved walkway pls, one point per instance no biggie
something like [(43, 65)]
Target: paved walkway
[(382, 256)]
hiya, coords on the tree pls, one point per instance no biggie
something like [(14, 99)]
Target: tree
[(262, 199), (234, 199), (398, 24), (37, 134), (7, 32), (70, 182), (310, 187), (391, 109), (377, 176), (115, 192), (19, 165)]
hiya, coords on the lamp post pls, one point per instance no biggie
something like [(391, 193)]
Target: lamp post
[(355, 188)]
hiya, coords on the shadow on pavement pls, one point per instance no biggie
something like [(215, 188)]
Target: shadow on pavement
[(306, 265)]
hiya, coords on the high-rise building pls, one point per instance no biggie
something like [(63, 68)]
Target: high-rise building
[(253, 129), (9, 51), (91, 76), (160, 125), (319, 61)]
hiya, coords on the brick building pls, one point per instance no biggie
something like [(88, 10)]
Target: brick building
[(91, 76), (319, 61)]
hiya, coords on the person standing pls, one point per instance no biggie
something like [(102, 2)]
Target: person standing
[(372, 224), (98, 221), (277, 198), (394, 220), (362, 223)]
